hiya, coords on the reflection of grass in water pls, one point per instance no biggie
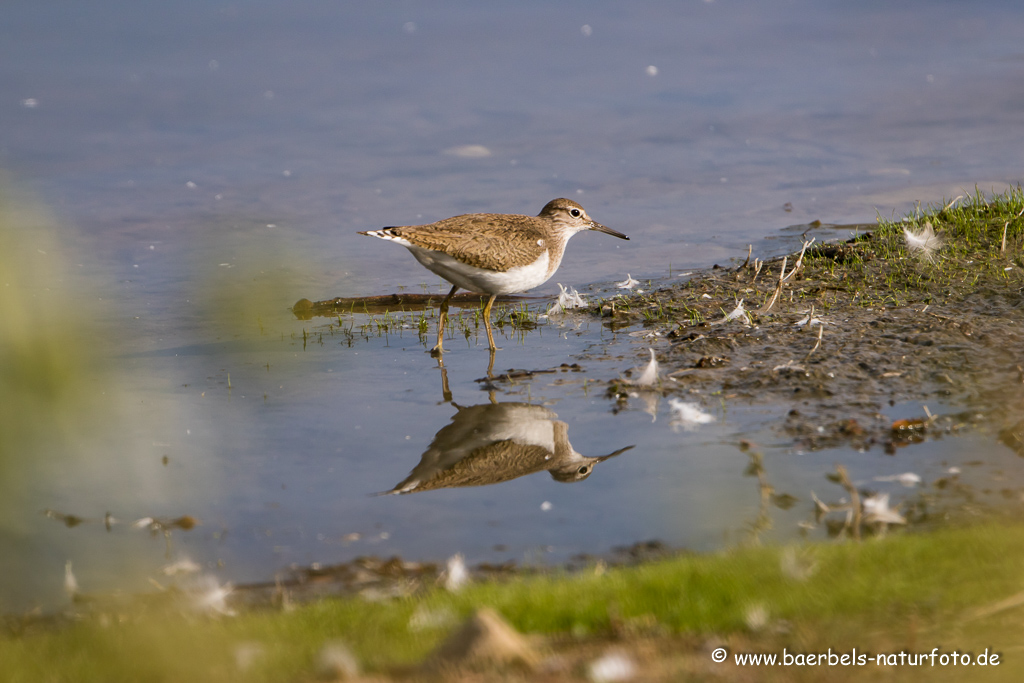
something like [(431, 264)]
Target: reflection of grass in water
[(242, 283), (512, 320), (47, 365), (63, 404)]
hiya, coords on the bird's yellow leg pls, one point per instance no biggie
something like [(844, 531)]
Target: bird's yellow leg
[(490, 370), (441, 319), (487, 322)]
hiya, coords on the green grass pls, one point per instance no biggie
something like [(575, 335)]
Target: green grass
[(873, 272), (877, 587), (974, 255)]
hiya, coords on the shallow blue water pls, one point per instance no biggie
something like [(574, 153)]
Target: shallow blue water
[(210, 164)]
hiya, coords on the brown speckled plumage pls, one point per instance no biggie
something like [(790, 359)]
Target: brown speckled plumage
[(478, 448), (491, 464), (494, 241), (492, 252)]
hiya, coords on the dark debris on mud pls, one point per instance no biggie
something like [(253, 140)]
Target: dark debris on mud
[(852, 327), (376, 578)]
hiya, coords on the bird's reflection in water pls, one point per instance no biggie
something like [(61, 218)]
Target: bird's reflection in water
[(495, 442)]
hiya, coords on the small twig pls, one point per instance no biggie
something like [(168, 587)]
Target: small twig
[(844, 480), (1001, 606), (750, 250), (950, 205), (1002, 248), (800, 259), (764, 520), (778, 290), (820, 508), (821, 330), (758, 263)]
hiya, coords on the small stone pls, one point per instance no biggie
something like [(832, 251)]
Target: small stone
[(335, 662), (424, 619), (247, 655), (468, 151), (611, 667), (484, 638), (756, 617)]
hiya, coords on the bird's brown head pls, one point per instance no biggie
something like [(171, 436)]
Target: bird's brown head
[(580, 467), (572, 473), (574, 217)]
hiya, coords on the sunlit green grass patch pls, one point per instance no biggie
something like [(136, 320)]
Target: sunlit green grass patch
[(875, 588)]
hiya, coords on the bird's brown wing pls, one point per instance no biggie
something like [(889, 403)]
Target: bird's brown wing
[(492, 241), (491, 464)]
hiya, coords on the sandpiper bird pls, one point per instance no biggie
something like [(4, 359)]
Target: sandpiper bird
[(493, 253), (496, 442)]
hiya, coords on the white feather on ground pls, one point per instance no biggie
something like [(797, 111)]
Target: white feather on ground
[(182, 566), (810, 320), (456, 575), (628, 283), (924, 243), (567, 299), (876, 509), (737, 313), (209, 597), (689, 416), (908, 479), (650, 374)]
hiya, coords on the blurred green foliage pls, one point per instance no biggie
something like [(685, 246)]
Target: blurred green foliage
[(47, 343)]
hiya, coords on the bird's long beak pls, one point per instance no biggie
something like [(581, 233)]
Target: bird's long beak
[(607, 231), (602, 458)]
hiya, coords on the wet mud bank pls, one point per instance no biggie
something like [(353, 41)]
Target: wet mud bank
[(928, 309)]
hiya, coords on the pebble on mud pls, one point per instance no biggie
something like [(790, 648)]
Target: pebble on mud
[(485, 638), (335, 662)]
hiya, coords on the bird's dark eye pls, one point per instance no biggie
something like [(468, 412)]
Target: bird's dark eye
[(585, 468), (575, 213)]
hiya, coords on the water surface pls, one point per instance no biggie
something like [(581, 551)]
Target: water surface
[(210, 163)]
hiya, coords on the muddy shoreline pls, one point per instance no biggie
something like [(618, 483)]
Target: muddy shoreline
[(835, 331), (859, 325)]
